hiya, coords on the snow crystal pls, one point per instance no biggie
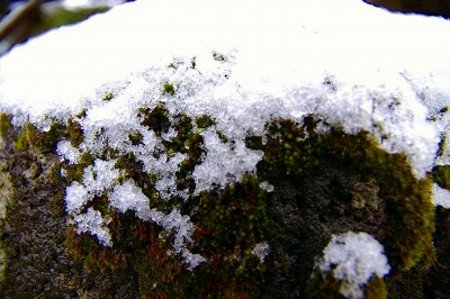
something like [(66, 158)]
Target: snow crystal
[(354, 258), (191, 259), (441, 196), (129, 197), (93, 223), (76, 197), (222, 164), (166, 167), (66, 151), (96, 179), (261, 250), (100, 177), (266, 186)]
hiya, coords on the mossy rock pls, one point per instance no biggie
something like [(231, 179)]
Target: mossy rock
[(321, 184), (224, 170)]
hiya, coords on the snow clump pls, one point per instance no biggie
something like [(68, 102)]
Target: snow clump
[(354, 258)]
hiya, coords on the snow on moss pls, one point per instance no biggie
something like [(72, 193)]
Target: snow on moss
[(354, 258), (129, 197), (242, 64), (222, 164), (92, 222), (261, 250), (67, 152), (441, 196)]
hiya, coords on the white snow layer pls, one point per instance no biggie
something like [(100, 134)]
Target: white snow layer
[(348, 63), (354, 258), (441, 196)]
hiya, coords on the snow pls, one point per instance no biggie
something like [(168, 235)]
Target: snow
[(67, 152), (261, 250), (441, 196), (353, 259), (130, 197), (348, 63), (223, 164), (90, 3), (76, 197), (93, 223)]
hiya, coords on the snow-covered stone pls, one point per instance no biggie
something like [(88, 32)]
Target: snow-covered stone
[(243, 64)]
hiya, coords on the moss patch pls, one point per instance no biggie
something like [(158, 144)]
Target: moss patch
[(168, 88), (5, 124), (323, 184), (441, 176), (43, 142), (322, 180)]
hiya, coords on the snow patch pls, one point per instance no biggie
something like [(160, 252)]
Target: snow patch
[(67, 152), (93, 223), (354, 258), (261, 250), (441, 196)]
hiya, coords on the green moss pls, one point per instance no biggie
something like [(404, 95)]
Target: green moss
[(204, 121), (326, 286), (222, 136), (219, 56), (156, 119), (168, 88), (56, 205), (174, 65), (229, 225), (86, 248), (193, 63), (82, 113), (43, 142), (408, 206), (5, 124), (75, 172), (22, 143), (230, 222), (441, 176), (323, 286), (75, 132), (181, 142), (376, 289), (254, 142), (136, 138), (108, 97)]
